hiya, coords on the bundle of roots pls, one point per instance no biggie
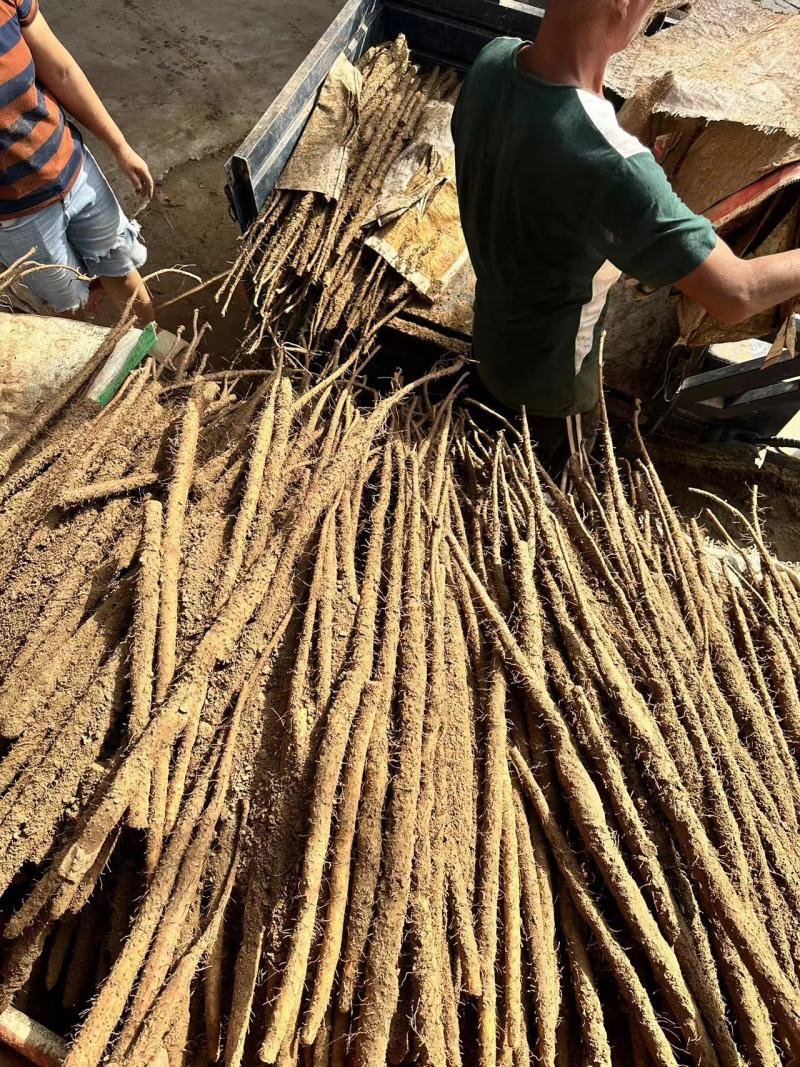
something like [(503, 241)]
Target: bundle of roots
[(333, 732), (311, 278)]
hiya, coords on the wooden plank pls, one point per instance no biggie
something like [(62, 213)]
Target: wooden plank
[(739, 378)]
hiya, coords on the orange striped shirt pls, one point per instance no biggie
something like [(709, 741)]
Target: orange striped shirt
[(40, 153)]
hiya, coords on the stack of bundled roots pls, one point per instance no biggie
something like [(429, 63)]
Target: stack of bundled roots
[(333, 732), (311, 277)]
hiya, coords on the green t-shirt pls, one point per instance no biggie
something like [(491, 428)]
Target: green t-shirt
[(556, 200)]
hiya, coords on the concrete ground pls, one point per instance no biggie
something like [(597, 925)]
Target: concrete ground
[(186, 82)]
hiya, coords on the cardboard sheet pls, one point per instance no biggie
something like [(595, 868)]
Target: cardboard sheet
[(454, 310), (427, 249)]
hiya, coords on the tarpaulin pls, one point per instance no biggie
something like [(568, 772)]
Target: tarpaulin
[(730, 60), (319, 161), (418, 223), (716, 97)]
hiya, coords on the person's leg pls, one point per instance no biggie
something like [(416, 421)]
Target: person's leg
[(588, 426), (549, 435), (41, 238), (121, 290), (551, 441), (108, 242)]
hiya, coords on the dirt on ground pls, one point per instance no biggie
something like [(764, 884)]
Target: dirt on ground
[(732, 475)]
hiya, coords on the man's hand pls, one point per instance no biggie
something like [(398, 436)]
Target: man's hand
[(134, 167), (733, 289)]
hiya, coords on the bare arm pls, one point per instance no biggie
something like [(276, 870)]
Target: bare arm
[(733, 289), (58, 71)]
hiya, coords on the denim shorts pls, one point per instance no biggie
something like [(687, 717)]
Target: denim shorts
[(87, 230)]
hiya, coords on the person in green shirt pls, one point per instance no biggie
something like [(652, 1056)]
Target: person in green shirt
[(557, 200)]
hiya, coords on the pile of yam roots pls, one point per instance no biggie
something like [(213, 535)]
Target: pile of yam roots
[(310, 275), (334, 732)]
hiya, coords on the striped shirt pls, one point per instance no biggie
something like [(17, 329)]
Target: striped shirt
[(40, 153)]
